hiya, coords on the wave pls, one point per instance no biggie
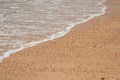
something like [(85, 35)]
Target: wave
[(29, 23)]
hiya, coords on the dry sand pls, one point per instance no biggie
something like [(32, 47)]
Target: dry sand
[(91, 51)]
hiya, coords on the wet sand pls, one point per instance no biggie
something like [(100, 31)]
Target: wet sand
[(91, 51)]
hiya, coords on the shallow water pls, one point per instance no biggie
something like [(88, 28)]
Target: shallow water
[(25, 23)]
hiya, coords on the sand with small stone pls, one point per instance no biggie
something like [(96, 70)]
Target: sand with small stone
[(91, 51)]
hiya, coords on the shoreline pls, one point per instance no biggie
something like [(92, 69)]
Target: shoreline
[(54, 36), (89, 51)]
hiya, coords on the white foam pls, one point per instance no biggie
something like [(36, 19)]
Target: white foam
[(52, 35)]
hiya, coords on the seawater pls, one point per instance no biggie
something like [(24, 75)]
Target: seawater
[(25, 23)]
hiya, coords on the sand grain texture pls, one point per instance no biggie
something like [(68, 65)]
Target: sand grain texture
[(91, 51)]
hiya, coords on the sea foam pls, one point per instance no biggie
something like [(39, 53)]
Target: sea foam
[(26, 23)]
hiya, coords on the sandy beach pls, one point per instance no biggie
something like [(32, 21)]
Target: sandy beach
[(91, 51)]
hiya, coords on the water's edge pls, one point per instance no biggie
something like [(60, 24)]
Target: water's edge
[(54, 36)]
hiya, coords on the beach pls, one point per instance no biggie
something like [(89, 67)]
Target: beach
[(91, 51)]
